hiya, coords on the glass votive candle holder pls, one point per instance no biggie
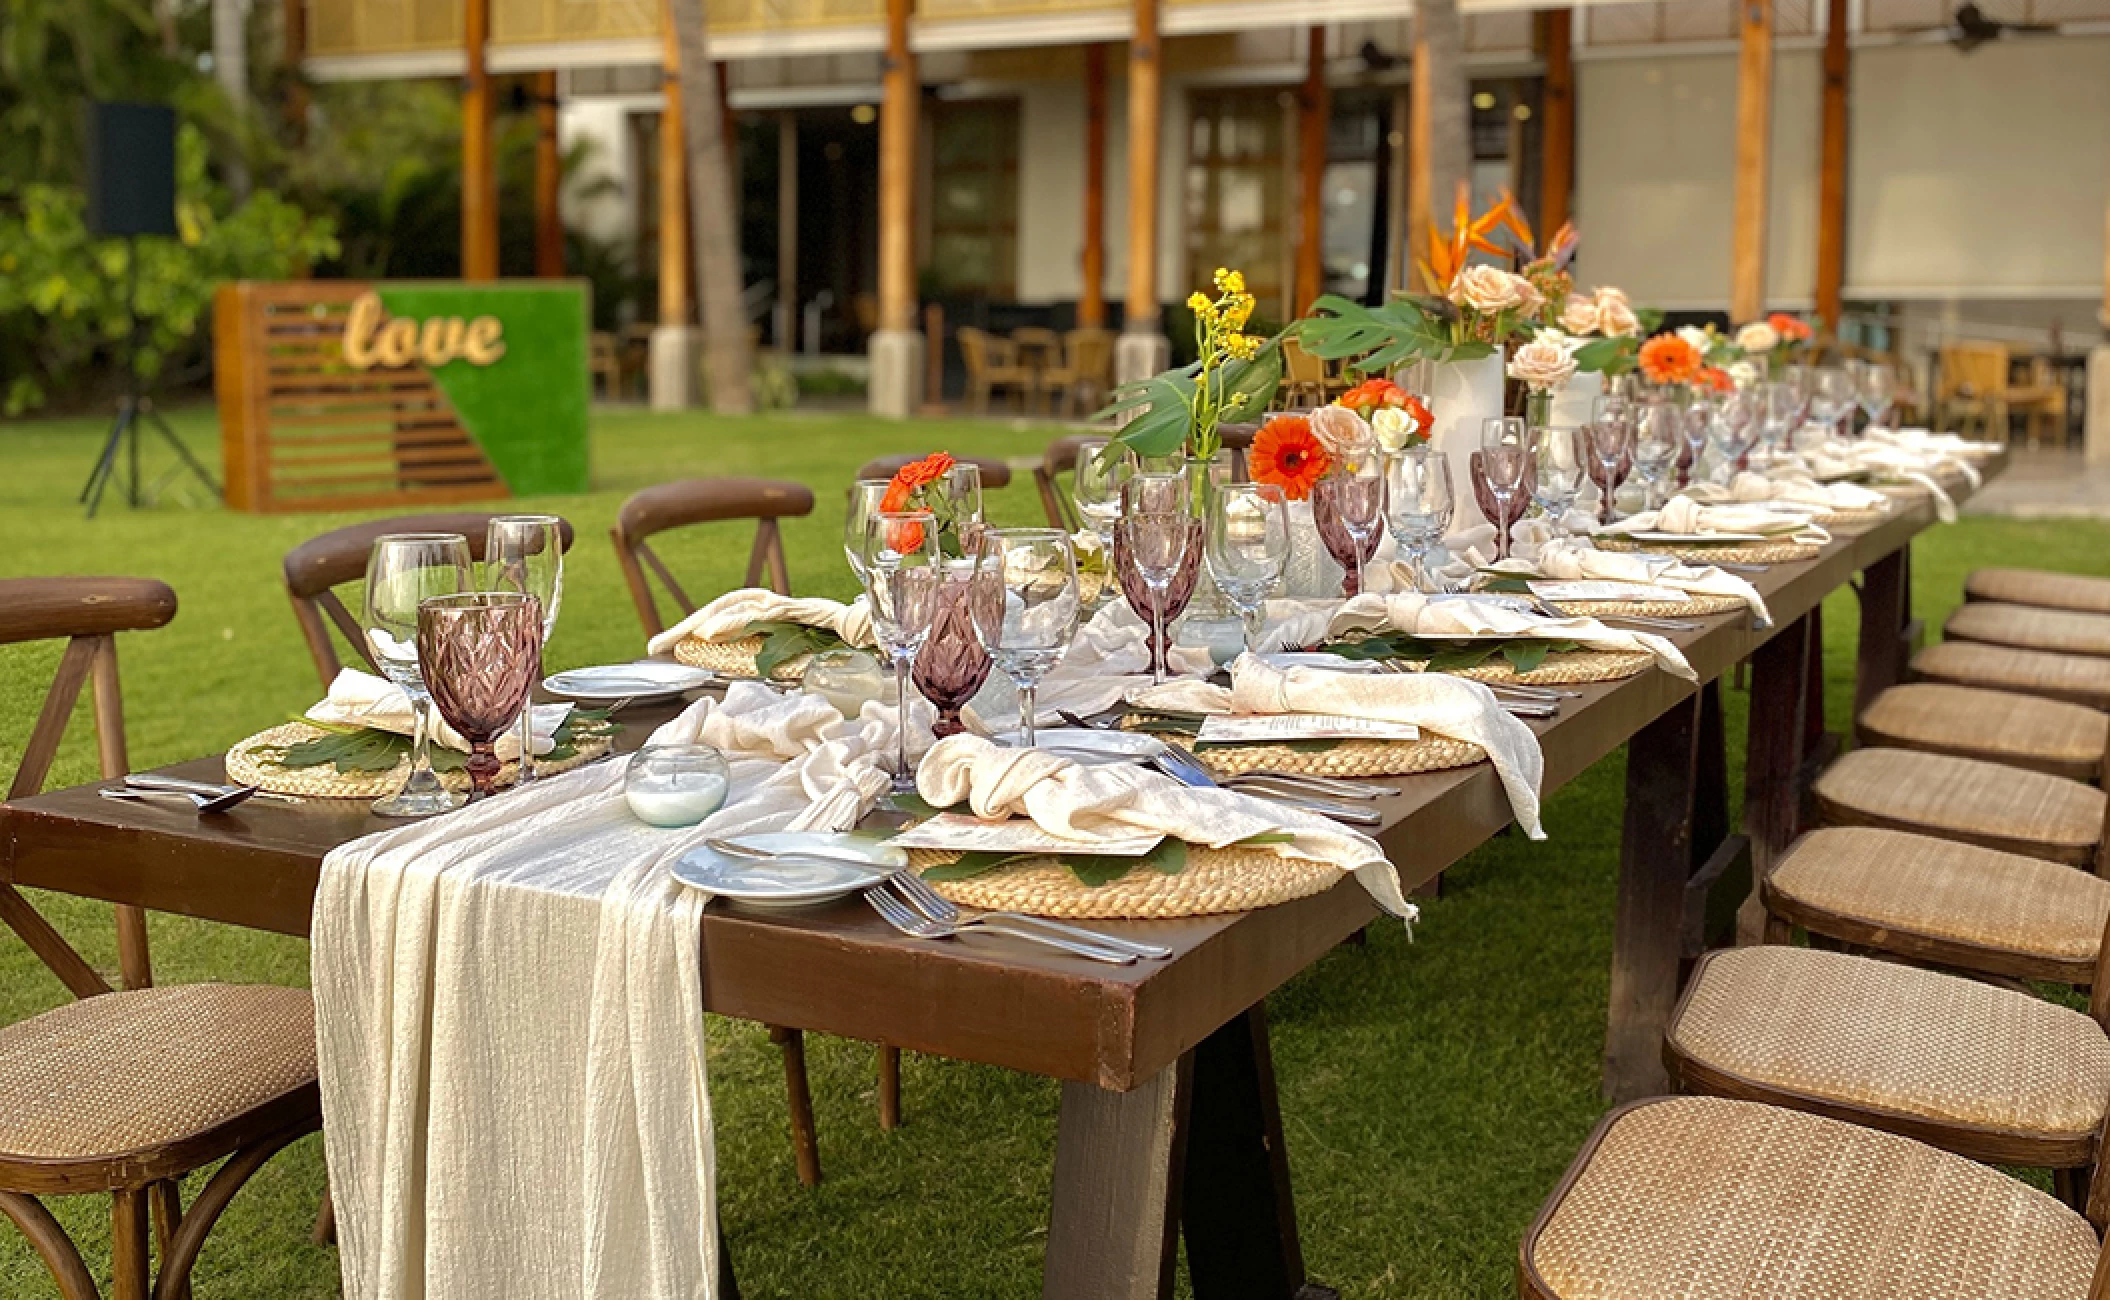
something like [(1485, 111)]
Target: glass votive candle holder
[(676, 785), (847, 679)]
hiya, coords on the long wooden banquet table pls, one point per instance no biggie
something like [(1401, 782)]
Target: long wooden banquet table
[(1169, 1120)]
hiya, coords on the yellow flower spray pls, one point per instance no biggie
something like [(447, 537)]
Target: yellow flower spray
[(1219, 338)]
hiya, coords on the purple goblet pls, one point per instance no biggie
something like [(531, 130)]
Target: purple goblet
[(953, 664), (1158, 559), (1349, 510), (481, 653)]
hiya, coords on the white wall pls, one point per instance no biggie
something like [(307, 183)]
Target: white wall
[(1979, 175), (601, 123), (1655, 177)]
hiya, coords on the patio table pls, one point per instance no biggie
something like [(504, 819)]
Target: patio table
[(1169, 1120)]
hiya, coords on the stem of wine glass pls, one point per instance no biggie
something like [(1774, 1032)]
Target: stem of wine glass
[(483, 770), (526, 729), (422, 777), (904, 779), (1254, 618), (1025, 711), (1158, 649)]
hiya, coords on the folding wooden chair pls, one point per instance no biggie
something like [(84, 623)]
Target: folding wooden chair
[(700, 501), (128, 1092), (316, 567)]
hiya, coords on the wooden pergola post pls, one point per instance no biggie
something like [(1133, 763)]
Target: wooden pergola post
[(549, 177), (479, 170), (1091, 297), (1399, 275), (1831, 180), (674, 340), (1314, 116), (1143, 349), (788, 231), (294, 32), (1557, 121), (1754, 131), (897, 346)]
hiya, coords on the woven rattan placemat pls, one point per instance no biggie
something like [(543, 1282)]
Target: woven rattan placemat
[(1697, 606), (1349, 759), (246, 766), (1750, 553), (736, 658), (1214, 880)]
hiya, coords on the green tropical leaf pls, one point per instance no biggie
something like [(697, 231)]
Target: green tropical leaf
[(1524, 656), (1096, 869), (1265, 838), (969, 865), (784, 642)]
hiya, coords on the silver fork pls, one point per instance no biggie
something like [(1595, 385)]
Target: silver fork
[(918, 926), (919, 895)]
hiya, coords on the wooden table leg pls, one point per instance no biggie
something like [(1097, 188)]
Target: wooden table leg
[(1886, 617), (1198, 1147), (1773, 754)]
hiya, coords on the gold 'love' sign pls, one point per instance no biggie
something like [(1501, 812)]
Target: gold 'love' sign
[(371, 338)]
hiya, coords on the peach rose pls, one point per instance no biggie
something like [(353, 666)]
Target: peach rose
[(1542, 365), (1615, 315), (1579, 316), (1491, 289), (1758, 337), (1341, 431)]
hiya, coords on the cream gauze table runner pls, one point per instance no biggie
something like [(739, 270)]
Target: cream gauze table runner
[(510, 1021)]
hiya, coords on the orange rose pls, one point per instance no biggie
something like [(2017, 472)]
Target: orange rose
[(1370, 395), (1289, 455), (913, 478), (1792, 328), (1668, 359), (1716, 379)]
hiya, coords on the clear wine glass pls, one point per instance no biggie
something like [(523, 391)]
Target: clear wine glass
[(1832, 397), (1157, 551), (482, 652), (1658, 437), (867, 498), (1419, 503), (1876, 391), (1097, 485), (1695, 422), (902, 572), (525, 554), (1733, 423), (963, 489), (1559, 460), (1779, 411), (1247, 545), (1349, 508), (1028, 630), (1155, 492), (403, 570), (1502, 431), (1610, 441)]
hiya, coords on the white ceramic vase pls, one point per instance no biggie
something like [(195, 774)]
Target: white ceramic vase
[(1576, 402), (1461, 395)]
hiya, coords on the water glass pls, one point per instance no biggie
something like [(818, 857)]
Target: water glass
[(1559, 458), (1247, 544), (1029, 627), (1419, 503), (525, 554), (482, 652), (402, 571), (1658, 438), (1502, 431), (1833, 396), (1611, 442), (1733, 424), (901, 572), (1156, 492), (1096, 487), (1157, 558), (1349, 508), (1875, 388), (963, 490), (1780, 410), (867, 498)]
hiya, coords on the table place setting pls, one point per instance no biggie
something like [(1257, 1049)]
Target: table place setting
[(754, 632)]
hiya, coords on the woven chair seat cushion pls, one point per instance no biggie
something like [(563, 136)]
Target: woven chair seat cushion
[(2040, 587), (1896, 1039), (129, 1071), (2078, 679), (1963, 798), (1703, 1198), (1957, 893), (2059, 631), (1998, 726)]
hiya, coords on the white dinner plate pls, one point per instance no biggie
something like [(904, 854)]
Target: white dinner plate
[(638, 681), (789, 882)]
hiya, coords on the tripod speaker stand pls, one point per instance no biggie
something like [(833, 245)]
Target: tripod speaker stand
[(134, 409), (132, 192)]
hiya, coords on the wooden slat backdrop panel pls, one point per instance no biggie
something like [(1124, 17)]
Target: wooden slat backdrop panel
[(304, 430)]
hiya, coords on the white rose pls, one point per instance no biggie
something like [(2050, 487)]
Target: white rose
[(1394, 427), (1542, 365), (1341, 431), (1758, 337), (1615, 315), (1579, 316), (1743, 373), (1696, 336), (1491, 289)]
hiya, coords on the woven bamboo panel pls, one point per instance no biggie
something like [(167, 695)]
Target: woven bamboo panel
[(382, 26), (528, 22), (303, 430), (767, 15)]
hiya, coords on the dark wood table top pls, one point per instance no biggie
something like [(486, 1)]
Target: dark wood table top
[(838, 969)]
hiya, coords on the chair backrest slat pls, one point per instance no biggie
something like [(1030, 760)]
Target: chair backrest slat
[(698, 501)]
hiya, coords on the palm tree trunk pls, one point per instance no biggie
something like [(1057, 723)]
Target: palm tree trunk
[(727, 362), (230, 67)]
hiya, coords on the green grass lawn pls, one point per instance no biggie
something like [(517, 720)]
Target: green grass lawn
[(1432, 1091)]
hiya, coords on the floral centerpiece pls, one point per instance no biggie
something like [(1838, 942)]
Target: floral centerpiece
[(1234, 375), (1543, 366), (926, 485), (1775, 342), (1397, 418)]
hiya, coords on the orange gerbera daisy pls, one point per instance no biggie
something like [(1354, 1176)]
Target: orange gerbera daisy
[(1668, 359), (1289, 455), (1792, 329)]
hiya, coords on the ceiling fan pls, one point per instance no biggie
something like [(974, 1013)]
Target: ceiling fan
[(1970, 28)]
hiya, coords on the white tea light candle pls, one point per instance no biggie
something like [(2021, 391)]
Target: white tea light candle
[(676, 785)]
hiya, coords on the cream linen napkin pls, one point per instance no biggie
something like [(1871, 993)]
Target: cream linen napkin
[(728, 618), (1685, 515), (1417, 615), (510, 996), (1089, 804), (1574, 560), (1789, 488), (1443, 705), (359, 699)]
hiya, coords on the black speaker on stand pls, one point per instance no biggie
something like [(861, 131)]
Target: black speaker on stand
[(132, 192)]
